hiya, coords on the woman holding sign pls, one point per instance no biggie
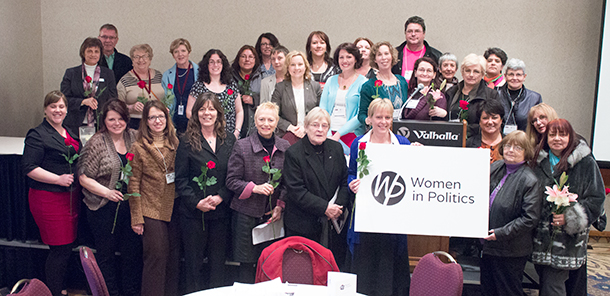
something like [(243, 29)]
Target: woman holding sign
[(514, 211), (380, 260)]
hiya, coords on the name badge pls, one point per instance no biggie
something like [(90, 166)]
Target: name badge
[(509, 128), (455, 120), (101, 79), (169, 177), (339, 112), (180, 109), (397, 113), (412, 104)]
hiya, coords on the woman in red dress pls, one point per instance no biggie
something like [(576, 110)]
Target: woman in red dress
[(53, 194)]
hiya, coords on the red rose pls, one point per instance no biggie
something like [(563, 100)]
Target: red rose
[(170, 86), (210, 164), (88, 79), (378, 83), (607, 190), (247, 77), (129, 156), (142, 84), (267, 158), (229, 91), (463, 105), (362, 146), (67, 142)]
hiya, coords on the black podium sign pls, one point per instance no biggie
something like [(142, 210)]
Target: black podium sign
[(432, 133)]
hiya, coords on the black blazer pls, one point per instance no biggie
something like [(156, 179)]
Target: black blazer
[(284, 98), (122, 64), (310, 184), (43, 148), (72, 88), (188, 165)]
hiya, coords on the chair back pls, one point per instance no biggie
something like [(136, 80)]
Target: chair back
[(425, 280), (93, 273), (33, 287), (297, 267), (297, 260)]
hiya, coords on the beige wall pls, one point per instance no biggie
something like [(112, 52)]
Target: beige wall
[(558, 40), (21, 79)]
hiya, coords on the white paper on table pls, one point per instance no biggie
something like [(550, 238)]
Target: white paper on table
[(265, 231), (268, 288), (341, 283)]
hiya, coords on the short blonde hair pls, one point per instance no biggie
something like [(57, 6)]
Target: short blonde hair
[(289, 57), (143, 47), (268, 106), (518, 138), (474, 59), (380, 104), (316, 113), (375, 50), (176, 43)]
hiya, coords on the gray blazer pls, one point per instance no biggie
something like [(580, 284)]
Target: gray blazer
[(267, 88), (284, 97)]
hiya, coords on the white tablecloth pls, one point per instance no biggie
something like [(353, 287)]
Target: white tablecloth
[(266, 289)]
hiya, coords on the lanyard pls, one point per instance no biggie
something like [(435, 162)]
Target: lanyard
[(186, 78), (164, 164), (149, 89)]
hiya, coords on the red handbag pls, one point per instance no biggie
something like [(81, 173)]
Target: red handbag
[(33, 287)]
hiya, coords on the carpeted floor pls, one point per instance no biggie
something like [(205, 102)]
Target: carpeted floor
[(598, 268)]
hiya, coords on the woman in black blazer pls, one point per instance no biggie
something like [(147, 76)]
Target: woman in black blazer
[(53, 194), (314, 169), (296, 95), (87, 87), (205, 140)]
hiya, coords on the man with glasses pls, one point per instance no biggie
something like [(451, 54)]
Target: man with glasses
[(413, 48), (119, 63)]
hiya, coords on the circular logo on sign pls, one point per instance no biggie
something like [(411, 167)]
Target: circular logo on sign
[(404, 131), (388, 188)]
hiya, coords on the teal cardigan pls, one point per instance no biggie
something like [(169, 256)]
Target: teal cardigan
[(368, 90), (352, 103)]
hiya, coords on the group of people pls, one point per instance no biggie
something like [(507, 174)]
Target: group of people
[(187, 162)]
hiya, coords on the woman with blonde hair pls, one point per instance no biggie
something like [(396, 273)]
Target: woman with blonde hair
[(295, 96), (538, 118)]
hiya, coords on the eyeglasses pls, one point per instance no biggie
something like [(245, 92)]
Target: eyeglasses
[(266, 44), (143, 57), (212, 62), (318, 125), (154, 118), (513, 147)]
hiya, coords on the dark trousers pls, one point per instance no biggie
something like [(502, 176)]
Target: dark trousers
[(56, 266), (199, 244), (502, 276), (576, 285), (161, 255), (381, 262), (552, 280), (124, 271)]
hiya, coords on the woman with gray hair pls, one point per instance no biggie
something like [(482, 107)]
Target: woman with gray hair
[(141, 84), (464, 98), (448, 66), (516, 99)]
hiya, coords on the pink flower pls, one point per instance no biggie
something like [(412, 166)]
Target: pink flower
[(229, 91), (142, 84), (88, 79), (170, 86), (210, 164), (362, 146), (552, 193), (463, 105), (378, 83), (247, 77), (572, 197)]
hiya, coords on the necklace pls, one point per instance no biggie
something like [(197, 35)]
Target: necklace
[(185, 72), (348, 81)]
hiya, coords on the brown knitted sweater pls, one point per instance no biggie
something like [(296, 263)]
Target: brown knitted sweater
[(157, 200), (99, 161)]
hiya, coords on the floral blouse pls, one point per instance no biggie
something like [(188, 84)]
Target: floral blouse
[(227, 101)]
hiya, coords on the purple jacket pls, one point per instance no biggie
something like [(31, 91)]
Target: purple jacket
[(245, 171)]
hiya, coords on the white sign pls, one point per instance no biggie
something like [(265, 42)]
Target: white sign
[(424, 190)]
